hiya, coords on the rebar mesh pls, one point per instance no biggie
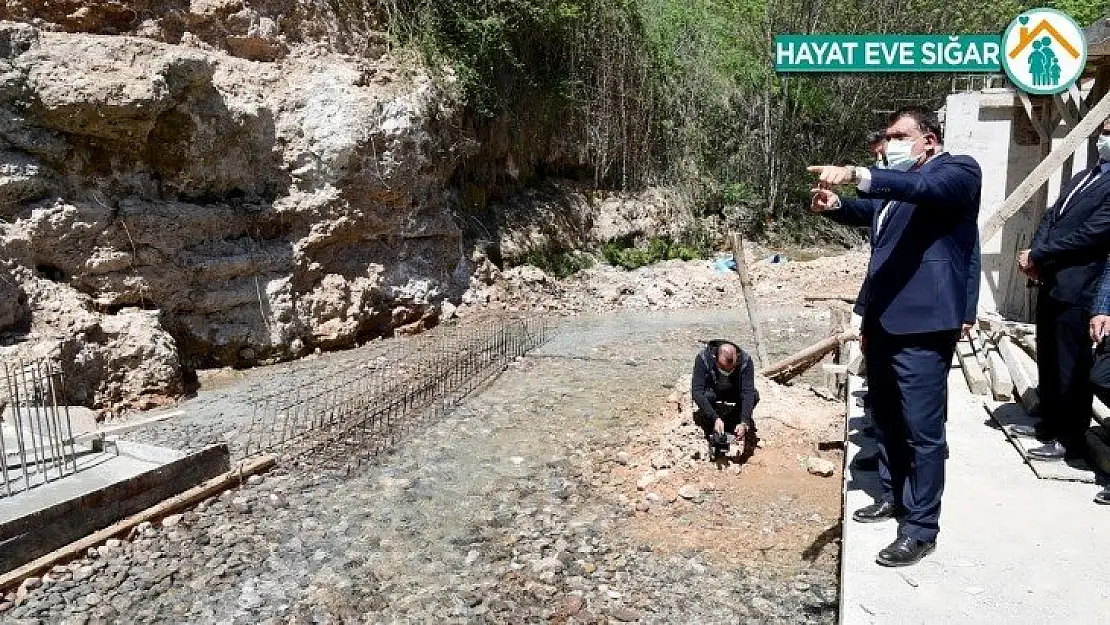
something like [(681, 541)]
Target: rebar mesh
[(36, 434), (360, 408)]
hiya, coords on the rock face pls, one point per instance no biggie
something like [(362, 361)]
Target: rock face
[(177, 205)]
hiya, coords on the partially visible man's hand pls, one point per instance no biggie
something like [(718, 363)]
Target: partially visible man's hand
[(832, 175), (1025, 264), (965, 329), (719, 426), (823, 200), (1100, 327)]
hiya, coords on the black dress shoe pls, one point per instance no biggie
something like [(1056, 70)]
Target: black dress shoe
[(1103, 497), (866, 463), (1052, 450), (877, 512), (904, 552), (1031, 431)]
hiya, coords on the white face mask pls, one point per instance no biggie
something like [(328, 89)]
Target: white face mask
[(1103, 145), (898, 154)]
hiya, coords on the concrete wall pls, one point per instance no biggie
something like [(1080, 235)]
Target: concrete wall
[(1001, 142)]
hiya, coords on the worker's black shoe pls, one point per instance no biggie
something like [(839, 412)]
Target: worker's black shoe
[(866, 463), (1037, 431), (904, 552), (1051, 450), (877, 512), (1103, 497)]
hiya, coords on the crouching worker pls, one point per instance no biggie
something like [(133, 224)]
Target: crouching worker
[(723, 388)]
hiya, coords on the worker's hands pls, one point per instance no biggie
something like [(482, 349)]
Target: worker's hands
[(1025, 264), (719, 426), (823, 200), (832, 175), (1100, 327)]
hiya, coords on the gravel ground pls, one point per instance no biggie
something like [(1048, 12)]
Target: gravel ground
[(496, 513)]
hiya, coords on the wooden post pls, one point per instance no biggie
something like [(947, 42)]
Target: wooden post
[(749, 297)]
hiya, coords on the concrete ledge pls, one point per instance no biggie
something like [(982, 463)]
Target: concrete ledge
[(37, 532)]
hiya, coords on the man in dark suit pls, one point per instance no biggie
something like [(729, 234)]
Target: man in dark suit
[(922, 211), (876, 144), (1067, 257)]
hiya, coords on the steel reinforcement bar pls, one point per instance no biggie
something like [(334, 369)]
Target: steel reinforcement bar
[(36, 434), (358, 409)]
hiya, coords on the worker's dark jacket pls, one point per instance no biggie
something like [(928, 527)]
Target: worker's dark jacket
[(707, 386)]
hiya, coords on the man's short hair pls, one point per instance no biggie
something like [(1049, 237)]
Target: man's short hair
[(876, 136), (926, 118)]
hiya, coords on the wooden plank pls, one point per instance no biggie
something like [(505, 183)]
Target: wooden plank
[(1008, 415), (192, 496), (1040, 174), (973, 373), (1002, 384), (1029, 344), (1023, 371), (749, 298)]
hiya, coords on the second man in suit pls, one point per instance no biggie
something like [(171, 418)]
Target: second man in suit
[(1067, 257)]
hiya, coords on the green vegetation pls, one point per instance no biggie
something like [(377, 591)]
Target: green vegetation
[(557, 262), (624, 253), (682, 92)]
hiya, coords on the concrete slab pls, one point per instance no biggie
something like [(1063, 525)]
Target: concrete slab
[(94, 471), (112, 486), (1013, 548)]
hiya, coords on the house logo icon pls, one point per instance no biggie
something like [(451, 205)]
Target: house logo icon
[(1044, 51)]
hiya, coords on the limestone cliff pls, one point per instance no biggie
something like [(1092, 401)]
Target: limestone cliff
[(175, 199)]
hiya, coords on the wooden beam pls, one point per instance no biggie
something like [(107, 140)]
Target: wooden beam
[(973, 373), (1022, 369), (798, 362), (1002, 383), (749, 297), (1040, 174), (1063, 107), (1038, 122), (192, 496)]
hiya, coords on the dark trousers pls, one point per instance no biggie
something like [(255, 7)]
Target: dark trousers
[(729, 413), (907, 382), (1064, 360)]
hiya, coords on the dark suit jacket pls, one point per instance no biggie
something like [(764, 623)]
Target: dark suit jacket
[(919, 277), (1070, 250)]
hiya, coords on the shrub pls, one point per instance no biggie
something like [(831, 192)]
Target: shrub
[(622, 252), (557, 262)]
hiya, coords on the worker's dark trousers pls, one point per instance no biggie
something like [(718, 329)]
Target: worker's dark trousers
[(907, 377), (1064, 362)]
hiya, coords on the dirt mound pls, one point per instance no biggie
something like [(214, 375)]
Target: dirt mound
[(769, 510)]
